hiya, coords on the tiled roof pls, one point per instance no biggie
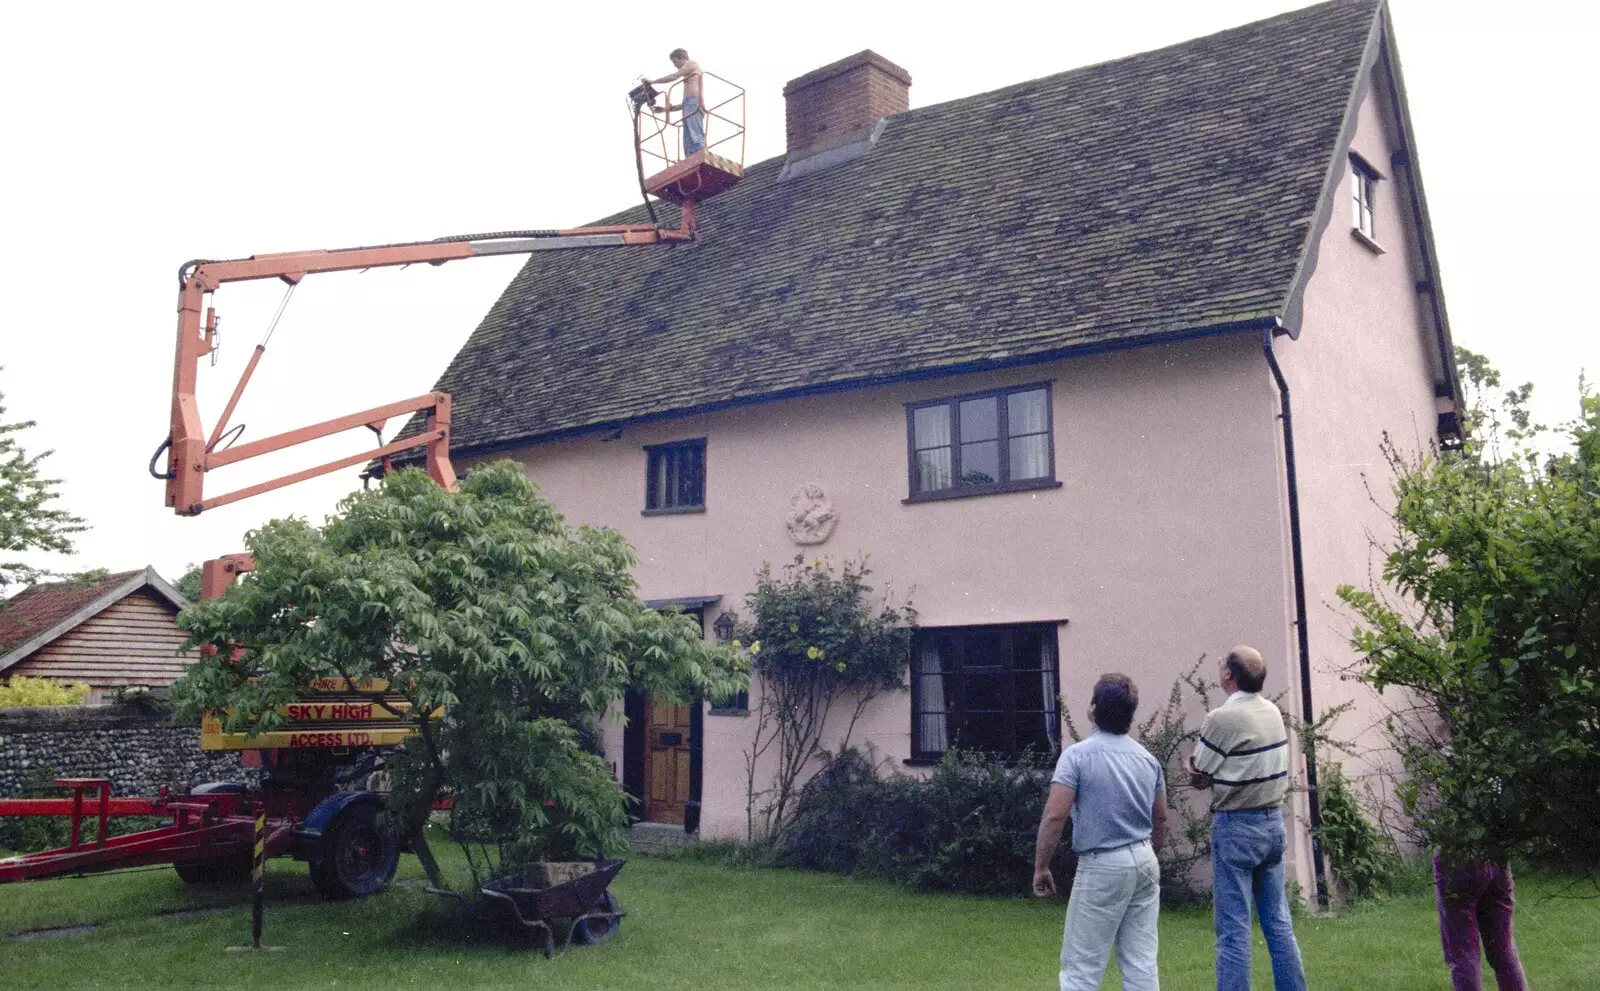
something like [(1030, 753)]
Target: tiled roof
[(1166, 192), (37, 608)]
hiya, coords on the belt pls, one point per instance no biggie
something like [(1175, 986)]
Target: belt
[(1255, 810), (1113, 849)]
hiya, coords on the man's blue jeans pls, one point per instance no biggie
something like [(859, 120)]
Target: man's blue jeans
[(694, 126), (1247, 866)]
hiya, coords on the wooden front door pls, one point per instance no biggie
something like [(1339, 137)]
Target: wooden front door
[(667, 760)]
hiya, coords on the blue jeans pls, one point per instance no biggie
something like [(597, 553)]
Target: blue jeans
[(1116, 896), (694, 126), (1247, 866)]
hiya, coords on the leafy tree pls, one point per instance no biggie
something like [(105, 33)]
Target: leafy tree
[(27, 520), (482, 603), (815, 641), (1495, 636), (188, 584)]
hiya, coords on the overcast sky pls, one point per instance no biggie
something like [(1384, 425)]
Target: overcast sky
[(139, 135)]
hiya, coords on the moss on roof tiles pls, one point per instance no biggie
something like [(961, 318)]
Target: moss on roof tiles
[(1106, 205)]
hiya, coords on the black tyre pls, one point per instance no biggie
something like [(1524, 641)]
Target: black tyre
[(229, 872), (592, 931), (358, 855)]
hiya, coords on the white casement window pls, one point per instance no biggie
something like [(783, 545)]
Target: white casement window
[(985, 442), (1363, 196)]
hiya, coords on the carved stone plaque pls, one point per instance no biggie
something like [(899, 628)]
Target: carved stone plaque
[(811, 517)]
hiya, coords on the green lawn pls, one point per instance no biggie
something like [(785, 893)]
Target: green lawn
[(696, 925)]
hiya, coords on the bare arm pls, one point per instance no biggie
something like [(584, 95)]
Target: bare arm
[(1158, 821), (1056, 810), (689, 69)]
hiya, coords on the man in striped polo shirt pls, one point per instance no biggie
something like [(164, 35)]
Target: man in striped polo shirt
[(1243, 757)]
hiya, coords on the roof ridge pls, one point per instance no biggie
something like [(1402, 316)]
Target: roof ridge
[(1299, 13), (1265, 22)]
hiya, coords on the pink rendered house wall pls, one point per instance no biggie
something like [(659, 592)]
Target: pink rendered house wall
[(1163, 542), (1365, 364), (1169, 534)]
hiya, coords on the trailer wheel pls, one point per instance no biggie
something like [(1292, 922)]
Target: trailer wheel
[(232, 872), (358, 855)]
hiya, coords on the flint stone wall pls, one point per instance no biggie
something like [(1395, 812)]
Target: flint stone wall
[(138, 749)]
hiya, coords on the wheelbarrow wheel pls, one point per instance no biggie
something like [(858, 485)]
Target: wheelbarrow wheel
[(358, 855), (592, 931)]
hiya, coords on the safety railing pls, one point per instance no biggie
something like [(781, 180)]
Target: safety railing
[(660, 131)]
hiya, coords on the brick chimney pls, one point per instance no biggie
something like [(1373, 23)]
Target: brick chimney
[(837, 108)]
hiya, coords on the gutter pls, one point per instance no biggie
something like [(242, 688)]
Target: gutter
[(487, 448), (1307, 710)]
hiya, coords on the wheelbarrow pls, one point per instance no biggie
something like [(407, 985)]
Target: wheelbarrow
[(542, 893)]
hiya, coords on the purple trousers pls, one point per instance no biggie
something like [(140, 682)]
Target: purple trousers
[(1475, 902)]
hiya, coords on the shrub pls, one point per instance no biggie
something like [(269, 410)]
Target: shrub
[(968, 827), (25, 691), (819, 647), (143, 699), (1363, 859), (1488, 623)]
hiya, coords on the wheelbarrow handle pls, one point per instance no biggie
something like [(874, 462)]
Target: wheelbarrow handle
[(516, 910), (458, 896), (537, 924)]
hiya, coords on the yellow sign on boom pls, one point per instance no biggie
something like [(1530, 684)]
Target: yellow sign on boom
[(332, 714)]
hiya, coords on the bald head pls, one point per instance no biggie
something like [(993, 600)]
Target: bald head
[(1249, 671)]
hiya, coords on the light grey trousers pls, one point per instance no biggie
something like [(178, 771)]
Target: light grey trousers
[(1115, 900)]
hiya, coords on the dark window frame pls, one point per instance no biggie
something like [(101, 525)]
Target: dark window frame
[(1003, 437), (956, 711), (652, 454), (1363, 197), (737, 704)]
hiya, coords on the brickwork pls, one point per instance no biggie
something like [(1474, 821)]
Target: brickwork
[(841, 103)]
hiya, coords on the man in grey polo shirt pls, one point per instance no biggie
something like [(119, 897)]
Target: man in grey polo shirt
[(1119, 792)]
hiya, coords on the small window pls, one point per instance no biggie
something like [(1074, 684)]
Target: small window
[(1363, 196), (985, 688), (989, 442), (675, 477)]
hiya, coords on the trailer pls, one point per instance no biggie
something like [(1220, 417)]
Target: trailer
[(210, 833)]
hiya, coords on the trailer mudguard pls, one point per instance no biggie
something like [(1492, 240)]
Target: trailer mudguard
[(308, 838)]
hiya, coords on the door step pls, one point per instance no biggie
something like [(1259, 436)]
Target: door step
[(657, 837)]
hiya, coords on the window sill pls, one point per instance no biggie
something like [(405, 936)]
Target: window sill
[(1374, 246), (728, 712), (673, 511), (1011, 761), (971, 491)]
